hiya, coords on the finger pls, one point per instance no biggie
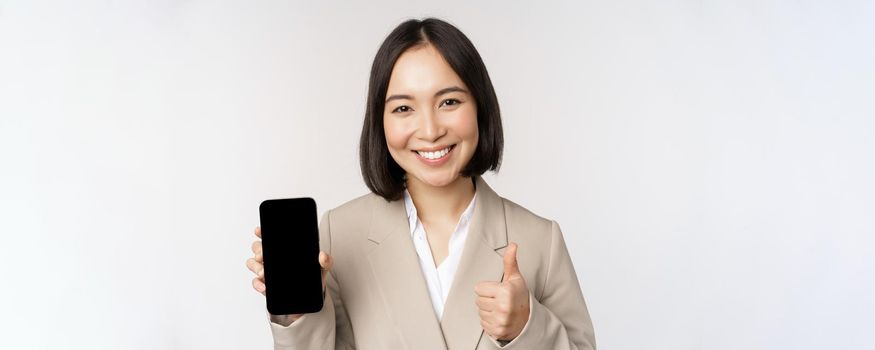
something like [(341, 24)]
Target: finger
[(261, 274), (487, 289), (325, 260), (256, 247), (485, 304), (258, 285), (486, 316), (511, 268), (487, 328), (259, 258), (254, 265), (258, 231)]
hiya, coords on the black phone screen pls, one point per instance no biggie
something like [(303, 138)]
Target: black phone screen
[(290, 247)]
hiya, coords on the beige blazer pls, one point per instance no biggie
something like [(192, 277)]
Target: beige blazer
[(378, 299)]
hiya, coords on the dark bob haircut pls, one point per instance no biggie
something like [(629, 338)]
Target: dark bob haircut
[(381, 173)]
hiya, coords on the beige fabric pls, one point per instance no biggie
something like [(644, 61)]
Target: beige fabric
[(377, 297)]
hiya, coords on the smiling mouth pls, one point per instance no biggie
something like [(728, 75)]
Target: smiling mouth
[(436, 154)]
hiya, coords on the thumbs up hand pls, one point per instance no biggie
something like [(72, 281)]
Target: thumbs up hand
[(504, 306)]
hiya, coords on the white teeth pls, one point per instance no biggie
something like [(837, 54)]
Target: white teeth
[(434, 155)]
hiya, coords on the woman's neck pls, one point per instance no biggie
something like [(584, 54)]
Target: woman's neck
[(436, 203)]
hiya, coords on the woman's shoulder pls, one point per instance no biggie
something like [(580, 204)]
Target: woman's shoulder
[(356, 209), (358, 212), (362, 202), (517, 215)]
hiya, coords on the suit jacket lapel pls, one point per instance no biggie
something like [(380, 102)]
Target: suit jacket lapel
[(481, 261), (397, 272)]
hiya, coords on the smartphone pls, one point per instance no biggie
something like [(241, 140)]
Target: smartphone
[(290, 247)]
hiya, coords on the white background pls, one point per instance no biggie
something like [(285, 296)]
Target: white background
[(711, 163)]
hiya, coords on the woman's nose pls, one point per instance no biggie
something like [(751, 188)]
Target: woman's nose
[(430, 128)]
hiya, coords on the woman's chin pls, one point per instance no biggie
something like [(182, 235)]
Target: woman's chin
[(437, 180)]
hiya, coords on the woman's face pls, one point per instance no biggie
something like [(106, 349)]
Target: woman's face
[(430, 118)]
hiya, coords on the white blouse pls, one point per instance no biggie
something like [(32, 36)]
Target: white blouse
[(440, 278)]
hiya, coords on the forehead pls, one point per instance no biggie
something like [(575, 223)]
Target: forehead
[(423, 70)]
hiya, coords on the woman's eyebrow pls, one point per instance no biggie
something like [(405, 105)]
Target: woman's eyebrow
[(436, 94)]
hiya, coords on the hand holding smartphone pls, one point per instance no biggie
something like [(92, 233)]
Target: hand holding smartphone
[(292, 274)]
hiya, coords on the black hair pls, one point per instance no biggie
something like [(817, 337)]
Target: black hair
[(381, 173)]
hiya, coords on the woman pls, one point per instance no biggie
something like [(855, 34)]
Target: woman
[(433, 258)]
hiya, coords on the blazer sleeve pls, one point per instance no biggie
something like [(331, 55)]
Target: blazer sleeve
[(328, 329), (559, 319)]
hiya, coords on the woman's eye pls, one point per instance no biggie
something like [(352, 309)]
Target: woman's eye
[(401, 109), (450, 102)]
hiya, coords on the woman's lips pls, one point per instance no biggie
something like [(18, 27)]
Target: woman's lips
[(435, 158)]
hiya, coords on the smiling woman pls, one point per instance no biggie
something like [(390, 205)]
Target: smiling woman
[(428, 78), (433, 258), (431, 135)]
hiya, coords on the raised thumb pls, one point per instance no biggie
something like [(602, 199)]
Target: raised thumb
[(511, 269)]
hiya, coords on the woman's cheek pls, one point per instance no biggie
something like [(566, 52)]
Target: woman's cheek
[(396, 135), (467, 126)]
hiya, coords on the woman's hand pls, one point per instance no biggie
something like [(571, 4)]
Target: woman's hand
[(504, 306), (256, 265)]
